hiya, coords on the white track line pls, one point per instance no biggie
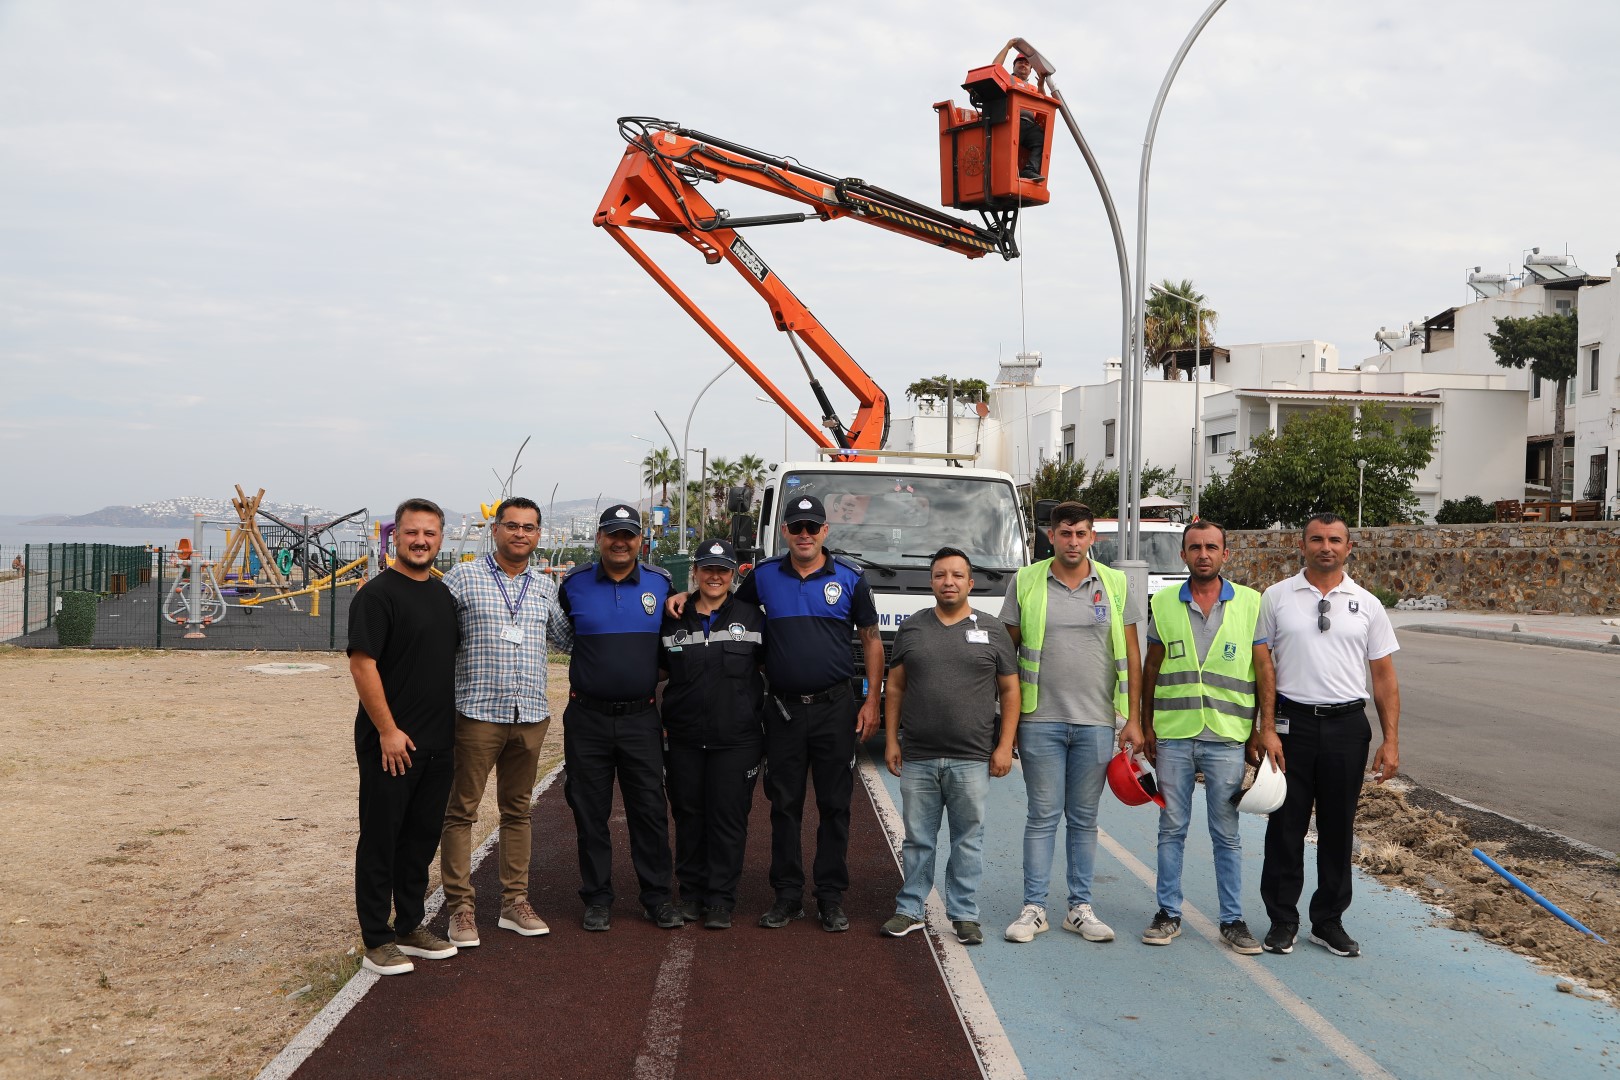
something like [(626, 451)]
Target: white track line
[(323, 1023), (661, 1036), (994, 1051), (1329, 1036)]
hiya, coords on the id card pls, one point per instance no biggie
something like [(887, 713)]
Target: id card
[(1282, 724), (978, 637), (513, 633)]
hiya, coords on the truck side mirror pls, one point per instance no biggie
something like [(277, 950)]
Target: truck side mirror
[(742, 537), (1043, 521), (738, 500)]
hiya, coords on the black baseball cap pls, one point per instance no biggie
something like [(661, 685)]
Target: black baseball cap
[(716, 552), (620, 517), (805, 508)]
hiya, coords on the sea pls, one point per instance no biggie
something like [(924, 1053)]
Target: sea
[(13, 535)]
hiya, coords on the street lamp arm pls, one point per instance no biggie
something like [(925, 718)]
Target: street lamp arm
[(686, 447)]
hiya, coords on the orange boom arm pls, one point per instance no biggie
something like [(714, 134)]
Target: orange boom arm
[(655, 189)]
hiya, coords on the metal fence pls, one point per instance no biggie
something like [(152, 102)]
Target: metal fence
[(147, 600)]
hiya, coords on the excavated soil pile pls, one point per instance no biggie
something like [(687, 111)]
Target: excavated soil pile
[(1428, 851)]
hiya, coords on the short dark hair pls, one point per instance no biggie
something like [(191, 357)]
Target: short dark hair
[(517, 502), (1072, 513), (1203, 523), (419, 506), (1326, 518), (950, 553)]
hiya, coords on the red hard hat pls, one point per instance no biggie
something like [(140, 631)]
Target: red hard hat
[(1130, 777)]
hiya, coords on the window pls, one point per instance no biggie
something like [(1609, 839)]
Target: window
[(1535, 387), (1220, 443), (1592, 372), (1068, 443), (1561, 307), (1108, 438), (1569, 396)]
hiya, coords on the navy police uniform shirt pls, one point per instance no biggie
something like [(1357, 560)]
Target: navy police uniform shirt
[(807, 620), (615, 630)]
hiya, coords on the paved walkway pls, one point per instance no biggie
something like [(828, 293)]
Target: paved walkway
[(1593, 632), (1422, 1002)]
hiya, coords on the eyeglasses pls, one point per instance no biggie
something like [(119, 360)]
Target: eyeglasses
[(518, 527), (799, 528), (1322, 621)]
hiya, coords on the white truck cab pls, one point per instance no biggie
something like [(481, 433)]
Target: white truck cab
[(890, 517), (1161, 550)]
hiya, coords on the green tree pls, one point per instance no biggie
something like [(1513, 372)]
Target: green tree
[(659, 468), (1097, 488), (752, 474), (937, 388), (1471, 510), (1176, 318), (1310, 468), (1547, 345)]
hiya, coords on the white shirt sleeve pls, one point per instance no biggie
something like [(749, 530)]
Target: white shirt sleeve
[(1380, 634), (1266, 628)]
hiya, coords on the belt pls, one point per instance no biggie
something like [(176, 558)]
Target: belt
[(811, 699), (1299, 708), (611, 708)]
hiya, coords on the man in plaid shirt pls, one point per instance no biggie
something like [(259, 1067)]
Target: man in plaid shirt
[(508, 611)]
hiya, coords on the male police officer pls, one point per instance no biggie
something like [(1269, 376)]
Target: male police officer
[(1325, 632), (1201, 680), (810, 600), (610, 724), (1078, 664)]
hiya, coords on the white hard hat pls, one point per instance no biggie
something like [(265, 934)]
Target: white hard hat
[(1267, 792)]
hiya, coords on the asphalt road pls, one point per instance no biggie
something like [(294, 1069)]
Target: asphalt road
[(1526, 730)]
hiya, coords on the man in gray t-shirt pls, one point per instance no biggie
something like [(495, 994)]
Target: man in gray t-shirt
[(948, 669)]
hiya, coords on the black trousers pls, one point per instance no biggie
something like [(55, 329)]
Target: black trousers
[(400, 821), (596, 747), (815, 740), (710, 795), (1327, 760)]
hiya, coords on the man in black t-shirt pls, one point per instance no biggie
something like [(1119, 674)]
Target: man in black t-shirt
[(403, 635), (948, 668)]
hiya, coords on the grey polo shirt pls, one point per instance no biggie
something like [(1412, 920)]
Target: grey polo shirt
[(1076, 680)]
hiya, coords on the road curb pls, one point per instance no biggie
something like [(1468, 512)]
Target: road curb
[(1520, 637)]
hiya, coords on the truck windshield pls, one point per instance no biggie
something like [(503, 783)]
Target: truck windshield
[(893, 519), (1160, 550)]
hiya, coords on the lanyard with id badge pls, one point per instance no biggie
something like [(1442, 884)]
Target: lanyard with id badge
[(975, 636), (512, 631)]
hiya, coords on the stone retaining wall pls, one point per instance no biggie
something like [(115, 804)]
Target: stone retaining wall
[(1570, 568)]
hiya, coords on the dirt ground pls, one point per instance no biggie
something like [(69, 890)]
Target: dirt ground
[(179, 848), (179, 836)]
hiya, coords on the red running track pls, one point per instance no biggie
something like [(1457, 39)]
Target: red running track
[(648, 1003)]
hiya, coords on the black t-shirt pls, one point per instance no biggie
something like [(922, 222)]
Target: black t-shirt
[(409, 627)]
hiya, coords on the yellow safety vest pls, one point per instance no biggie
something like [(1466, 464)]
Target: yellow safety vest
[(1218, 693), (1032, 631)]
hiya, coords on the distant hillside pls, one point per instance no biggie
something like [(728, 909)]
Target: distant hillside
[(177, 513)]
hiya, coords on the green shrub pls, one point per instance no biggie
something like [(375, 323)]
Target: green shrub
[(76, 622), (1472, 510), (1385, 596)]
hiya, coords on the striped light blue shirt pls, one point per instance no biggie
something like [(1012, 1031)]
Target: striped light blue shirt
[(497, 680)]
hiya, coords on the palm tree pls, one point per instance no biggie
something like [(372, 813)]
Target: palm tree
[(1170, 323), (722, 475), (752, 468), (658, 468)]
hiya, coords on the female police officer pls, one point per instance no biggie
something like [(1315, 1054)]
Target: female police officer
[(714, 724)]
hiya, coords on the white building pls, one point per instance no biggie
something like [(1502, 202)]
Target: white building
[(1455, 341)]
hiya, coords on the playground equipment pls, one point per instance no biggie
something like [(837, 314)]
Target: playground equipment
[(247, 555), (352, 573), (311, 547), (195, 601)]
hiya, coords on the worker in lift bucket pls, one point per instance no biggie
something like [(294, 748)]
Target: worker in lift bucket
[(1031, 139)]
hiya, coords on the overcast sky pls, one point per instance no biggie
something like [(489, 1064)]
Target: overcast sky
[(344, 251)]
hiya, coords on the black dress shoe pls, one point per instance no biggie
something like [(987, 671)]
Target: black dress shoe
[(598, 917), (667, 916), (690, 910), (718, 919), (833, 919), (782, 912)]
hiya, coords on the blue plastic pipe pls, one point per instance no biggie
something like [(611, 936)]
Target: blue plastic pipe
[(1532, 894)]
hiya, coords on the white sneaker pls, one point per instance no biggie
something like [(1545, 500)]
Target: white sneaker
[(1030, 921), (1083, 921)]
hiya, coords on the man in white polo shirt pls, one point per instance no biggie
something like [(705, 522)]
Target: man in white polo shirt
[(1323, 631)]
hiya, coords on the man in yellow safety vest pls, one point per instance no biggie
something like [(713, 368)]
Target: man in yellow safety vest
[(1202, 680), (1074, 623)]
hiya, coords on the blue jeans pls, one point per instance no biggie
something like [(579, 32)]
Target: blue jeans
[(1222, 765), (958, 788), (1065, 769)]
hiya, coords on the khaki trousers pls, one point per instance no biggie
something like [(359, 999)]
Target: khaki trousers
[(513, 750)]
